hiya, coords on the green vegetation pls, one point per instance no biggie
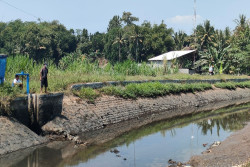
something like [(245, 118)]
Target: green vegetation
[(7, 91), (88, 94), (228, 50), (153, 89), (73, 69), (76, 56), (233, 85)]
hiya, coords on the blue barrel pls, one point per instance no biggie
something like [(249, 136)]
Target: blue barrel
[(3, 60)]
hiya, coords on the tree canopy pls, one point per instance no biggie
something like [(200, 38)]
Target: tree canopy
[(228, 50)]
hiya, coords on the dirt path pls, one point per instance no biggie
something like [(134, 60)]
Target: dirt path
[(234, 151)]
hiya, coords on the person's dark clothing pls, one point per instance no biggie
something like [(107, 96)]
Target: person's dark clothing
[(44, 81)]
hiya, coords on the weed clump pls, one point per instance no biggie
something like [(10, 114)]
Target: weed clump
[(8, 92), (87, 93)]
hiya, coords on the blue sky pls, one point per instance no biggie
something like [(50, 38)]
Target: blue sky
[(95, 14)]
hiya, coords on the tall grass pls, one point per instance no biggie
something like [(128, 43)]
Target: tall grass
[(75, 69), (7, 91)]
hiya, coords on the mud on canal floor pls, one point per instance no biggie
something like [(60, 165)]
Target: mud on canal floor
[(152, 145)]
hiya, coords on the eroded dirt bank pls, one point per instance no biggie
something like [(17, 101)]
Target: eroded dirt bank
[(234, 151), (15, 136)]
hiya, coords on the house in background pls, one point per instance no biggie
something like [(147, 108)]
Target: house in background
[(185, 58)]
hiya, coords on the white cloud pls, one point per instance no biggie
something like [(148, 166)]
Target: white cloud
[(188, 19)]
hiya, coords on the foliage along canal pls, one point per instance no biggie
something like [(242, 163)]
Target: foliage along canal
[(152, 145)]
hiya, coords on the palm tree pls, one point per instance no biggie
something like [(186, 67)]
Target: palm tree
[(205, 34), (115, 22), (241, 22), (136, 38), (180, 40), (128, 18), (120, 40)]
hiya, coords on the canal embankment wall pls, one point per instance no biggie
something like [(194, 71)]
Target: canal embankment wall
[(34, 110), (111, 116), (69, 117)]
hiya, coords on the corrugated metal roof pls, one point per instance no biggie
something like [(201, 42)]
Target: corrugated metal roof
[(171, 55)]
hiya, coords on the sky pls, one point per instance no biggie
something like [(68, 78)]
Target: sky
[(94, 15)]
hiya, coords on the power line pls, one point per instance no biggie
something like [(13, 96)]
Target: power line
[(30, 14)]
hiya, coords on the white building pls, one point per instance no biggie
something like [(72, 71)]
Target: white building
[(170, 56)]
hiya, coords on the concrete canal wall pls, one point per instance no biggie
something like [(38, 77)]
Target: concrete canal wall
[(73, 118), (112, 116), (25, 116), (34, 110)]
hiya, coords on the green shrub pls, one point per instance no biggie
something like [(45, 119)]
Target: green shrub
[(6, 91), (245, 84), (88, 93), (226, 85), (233, 85)]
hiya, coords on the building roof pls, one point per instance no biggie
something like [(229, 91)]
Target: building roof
[(171, 55)]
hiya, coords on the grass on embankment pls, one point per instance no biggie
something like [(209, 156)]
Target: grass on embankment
[(233, 85), (133, 91), (59, 80), (153, 89)]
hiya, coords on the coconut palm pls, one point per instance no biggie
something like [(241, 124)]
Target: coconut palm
[(206, 35), (180, 39), (120, 41), (241, 22), (136, 38)]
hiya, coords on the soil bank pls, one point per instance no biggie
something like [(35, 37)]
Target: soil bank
[(234, 151), (15, 136)]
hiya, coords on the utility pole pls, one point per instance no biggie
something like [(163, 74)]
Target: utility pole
[(195, 36)]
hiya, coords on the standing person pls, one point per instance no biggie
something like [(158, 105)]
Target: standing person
[(43, 77), (211, 69)]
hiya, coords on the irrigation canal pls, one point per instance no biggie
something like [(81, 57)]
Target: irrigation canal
[(150, 146)]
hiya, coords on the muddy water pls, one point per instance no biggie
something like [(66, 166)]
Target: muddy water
[(149, 146)]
